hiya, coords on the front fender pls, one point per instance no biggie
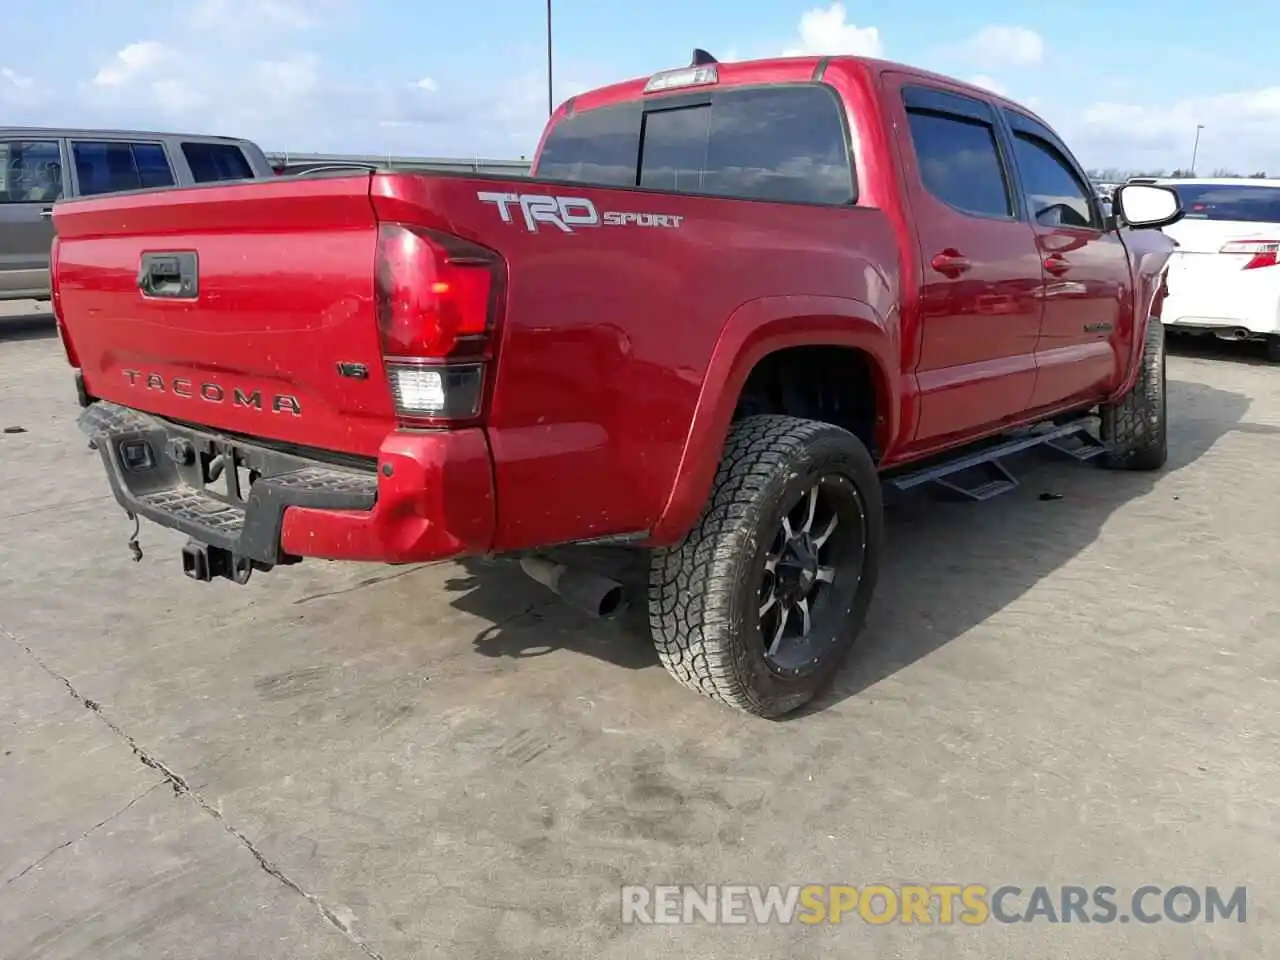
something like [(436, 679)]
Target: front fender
[(1149, 254), (756, 329)]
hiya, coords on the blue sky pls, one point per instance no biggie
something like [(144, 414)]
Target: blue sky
[(1125, 83)]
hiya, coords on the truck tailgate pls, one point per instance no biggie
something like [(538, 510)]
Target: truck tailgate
[(247, 308)]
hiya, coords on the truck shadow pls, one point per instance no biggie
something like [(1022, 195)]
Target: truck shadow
[(527, 620), (34, 327), (950, 566)]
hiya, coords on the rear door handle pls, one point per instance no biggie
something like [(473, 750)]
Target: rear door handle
[(46, 214), (1057, 264), (950, 263)]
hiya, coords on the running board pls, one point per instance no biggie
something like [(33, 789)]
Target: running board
[(1082, 445), (980, 475)]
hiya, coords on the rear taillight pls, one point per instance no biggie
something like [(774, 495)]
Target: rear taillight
[(1263, 253), (438, 299)]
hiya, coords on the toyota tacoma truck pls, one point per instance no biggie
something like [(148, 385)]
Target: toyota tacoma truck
[(732, 304)]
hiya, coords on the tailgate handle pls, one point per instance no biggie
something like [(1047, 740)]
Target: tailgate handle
[(173, 275)]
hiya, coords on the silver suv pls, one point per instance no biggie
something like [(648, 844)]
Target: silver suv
[(40, 165)]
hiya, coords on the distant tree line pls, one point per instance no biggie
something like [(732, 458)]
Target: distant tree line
[(1118, 175)]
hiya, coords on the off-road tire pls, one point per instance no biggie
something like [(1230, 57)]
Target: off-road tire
[(703, 592), (1135, 427)]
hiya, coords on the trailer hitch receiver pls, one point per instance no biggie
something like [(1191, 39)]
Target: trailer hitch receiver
[(202, 562)]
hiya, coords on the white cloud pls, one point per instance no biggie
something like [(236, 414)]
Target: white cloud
[(987, 83), (19, 93), (828, 32), (1241, 131), (133, 62), (999, 45), (176, 98), (12, 78), (289, 80), (252, 70)]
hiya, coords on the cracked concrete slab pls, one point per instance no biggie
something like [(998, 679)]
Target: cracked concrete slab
[(61, 771), (160, 880), (1080, 690)]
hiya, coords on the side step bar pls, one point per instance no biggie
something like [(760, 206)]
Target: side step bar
[(979, 475)]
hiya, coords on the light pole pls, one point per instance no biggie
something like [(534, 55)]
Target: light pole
[(1195, 149), (550, 98)]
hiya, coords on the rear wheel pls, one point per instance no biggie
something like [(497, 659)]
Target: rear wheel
[(1135, 427), (758, 606)]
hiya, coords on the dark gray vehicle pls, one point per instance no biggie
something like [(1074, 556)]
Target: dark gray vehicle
[(39, 165)]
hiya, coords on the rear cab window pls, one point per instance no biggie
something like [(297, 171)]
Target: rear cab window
[(210, 162), (113, 166), (785, 142)]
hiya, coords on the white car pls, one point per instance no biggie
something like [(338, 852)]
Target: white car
[(1224, 279)]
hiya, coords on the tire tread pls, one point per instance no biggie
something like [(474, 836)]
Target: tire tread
[(692, 584), (1135, 426)]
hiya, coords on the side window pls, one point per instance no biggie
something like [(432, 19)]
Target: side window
[(104, 166), (1055, 195), (216, 161), (960, 163), (30, 171), (153, 165)]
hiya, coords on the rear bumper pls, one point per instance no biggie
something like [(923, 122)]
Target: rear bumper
[(1219, 309), (428, 496)]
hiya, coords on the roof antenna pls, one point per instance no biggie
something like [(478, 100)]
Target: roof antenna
[(701, 58)]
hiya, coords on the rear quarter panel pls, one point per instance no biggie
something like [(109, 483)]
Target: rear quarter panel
[(610, 333)]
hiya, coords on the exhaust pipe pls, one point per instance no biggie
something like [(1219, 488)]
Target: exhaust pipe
[(599, 596), (1235, 334)]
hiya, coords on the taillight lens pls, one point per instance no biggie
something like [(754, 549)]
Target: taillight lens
[(1262, 253), (437, 306), (432, 391)]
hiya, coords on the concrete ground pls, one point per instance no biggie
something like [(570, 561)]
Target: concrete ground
[(350, 761)]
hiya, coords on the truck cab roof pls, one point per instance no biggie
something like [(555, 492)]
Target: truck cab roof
[(775, 70)]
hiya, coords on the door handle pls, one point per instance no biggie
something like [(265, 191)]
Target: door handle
[(46, 214), (173, 275), (950, 263), (1057, 264)]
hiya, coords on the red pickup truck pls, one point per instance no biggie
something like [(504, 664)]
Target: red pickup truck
[(731, 304)]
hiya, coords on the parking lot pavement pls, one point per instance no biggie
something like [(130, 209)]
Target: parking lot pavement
[(360, 761)]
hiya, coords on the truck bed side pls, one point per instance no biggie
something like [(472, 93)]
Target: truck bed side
[(611, 329)]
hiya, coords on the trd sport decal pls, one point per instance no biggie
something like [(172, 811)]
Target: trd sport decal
[(568, 213)]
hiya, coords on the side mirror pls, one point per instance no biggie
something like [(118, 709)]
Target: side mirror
[(1147, 205)]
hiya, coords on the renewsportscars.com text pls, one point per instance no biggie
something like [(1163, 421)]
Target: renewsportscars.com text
[(943, 904)]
